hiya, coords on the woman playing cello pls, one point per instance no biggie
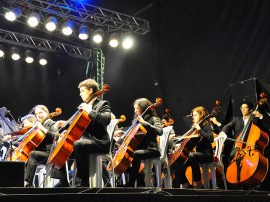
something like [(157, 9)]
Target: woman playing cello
[(148, 148), (204, 151), (41, 153)]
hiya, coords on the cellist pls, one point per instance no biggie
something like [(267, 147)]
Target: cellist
[(203, 153), (96, 138), (41, 153), (148, 148)]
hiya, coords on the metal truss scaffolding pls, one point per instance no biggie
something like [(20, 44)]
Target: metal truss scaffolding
[(27, 41), (80, 12)]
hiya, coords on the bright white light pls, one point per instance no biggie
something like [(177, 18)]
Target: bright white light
[(83, 36), (97, 38), (83, 32), (43, 62), (2, 54), (114, 43), (127, 43), (29, 59), (15, 56), (12, 14), (67, 29), (51, 24), (33, 20)]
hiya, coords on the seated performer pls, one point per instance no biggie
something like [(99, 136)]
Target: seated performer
[(95, 139), (148, 148), (203, 153), (41, 153)]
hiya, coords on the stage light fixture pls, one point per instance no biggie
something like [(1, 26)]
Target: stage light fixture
[(51, 23), (13, 14), (114, 40), (98, 36), (33, 20), (29, 56), (67, 29), (15, 53), (42, 58), (2, 53), (83, 34), (127, 41)]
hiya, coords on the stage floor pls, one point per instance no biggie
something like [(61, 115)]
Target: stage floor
[(128, 195)]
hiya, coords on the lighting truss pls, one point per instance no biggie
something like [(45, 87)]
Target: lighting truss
[(81, 12), (27, 41)]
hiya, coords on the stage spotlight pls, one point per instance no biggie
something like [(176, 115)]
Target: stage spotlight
[(114, 40), (83, 35), (98, 36), (13, 14), (67, 29), (29, 56), (51, 23), (15, 53), (127, 42), (42, 58), (33, 20), (2, 53)]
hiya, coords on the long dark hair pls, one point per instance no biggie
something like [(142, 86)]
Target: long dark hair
[(143, 103)]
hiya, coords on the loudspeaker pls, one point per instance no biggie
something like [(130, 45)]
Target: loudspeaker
[(12, 174), (243, 91)]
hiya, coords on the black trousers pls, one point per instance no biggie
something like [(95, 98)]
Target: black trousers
[(82, 149), (139, 155), (35, 158), (194, 160)]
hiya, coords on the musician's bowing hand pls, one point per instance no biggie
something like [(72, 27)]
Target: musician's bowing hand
[(59, 124), (257, 114), (197, 126), (86, 107), (6, 138), (41, 127), (141, 120)]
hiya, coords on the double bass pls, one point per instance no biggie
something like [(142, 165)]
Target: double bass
[(32, 138), (249, 165), (78, 124), (133, 137)]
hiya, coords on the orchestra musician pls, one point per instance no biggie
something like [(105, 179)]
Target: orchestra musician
[(41, 153), (236, 126), (148, 148), (203, 153), (95, 139)]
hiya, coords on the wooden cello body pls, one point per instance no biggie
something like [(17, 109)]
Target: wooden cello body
[(133, 137), (79, 122), (249, 167), (124, 155), (33, 138), (64, 146)]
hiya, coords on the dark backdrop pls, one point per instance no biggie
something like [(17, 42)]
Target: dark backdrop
[(196, 49)]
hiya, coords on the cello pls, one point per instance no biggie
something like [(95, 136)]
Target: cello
[(79, 122), (190, 140), (249, 165), (32, 138), (133, 137)]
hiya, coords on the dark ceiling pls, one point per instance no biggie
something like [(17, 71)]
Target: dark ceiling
[(194, 52)]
